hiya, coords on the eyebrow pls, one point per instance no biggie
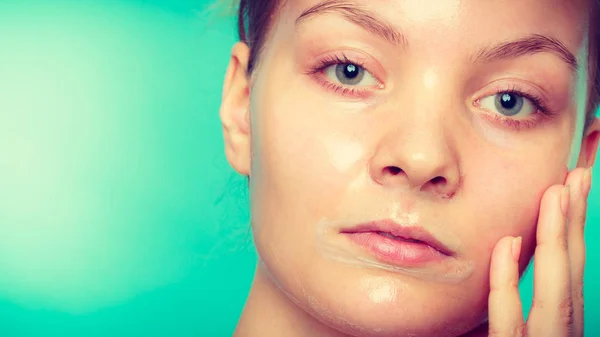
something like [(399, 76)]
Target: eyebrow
[(371, 22), (529, 45), (364, 18)]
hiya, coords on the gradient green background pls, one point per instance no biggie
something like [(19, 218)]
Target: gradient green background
[(119, 215)]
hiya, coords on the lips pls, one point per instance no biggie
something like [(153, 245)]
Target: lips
[(399, 238), (394, 231)]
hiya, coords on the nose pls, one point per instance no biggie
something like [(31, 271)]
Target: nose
[(416, 158)]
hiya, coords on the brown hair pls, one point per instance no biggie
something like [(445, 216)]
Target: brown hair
[(254, 19)]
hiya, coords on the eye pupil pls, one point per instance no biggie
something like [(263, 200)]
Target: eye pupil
[(508, 101), (509, 104), (349, 74), (350, 71)]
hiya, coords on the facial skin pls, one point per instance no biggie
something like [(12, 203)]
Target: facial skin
[(417, 136)]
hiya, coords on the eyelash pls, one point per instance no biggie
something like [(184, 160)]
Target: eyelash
[(332, 60), (542, 110)]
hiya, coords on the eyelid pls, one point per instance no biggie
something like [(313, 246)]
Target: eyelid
[(331, 71), (317, 71), (357, 57), (543, 110), (528, 102), (503, 85)]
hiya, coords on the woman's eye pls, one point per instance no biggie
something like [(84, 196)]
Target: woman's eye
[(350, 74), (508, 104)]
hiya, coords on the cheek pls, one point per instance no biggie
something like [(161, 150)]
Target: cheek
[(303, 153), (510, 190), (314, 169)]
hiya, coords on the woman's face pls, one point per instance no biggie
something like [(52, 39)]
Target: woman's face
[(451, 116)]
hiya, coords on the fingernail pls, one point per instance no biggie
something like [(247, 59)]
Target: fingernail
[(564, 200), (587, 182), (516, 248)]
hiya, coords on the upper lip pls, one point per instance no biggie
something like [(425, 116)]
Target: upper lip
[(394, 228)]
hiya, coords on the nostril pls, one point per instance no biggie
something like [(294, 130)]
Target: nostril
[(438, 180), (393, 170)]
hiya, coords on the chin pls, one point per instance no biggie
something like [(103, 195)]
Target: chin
[(361, 302)]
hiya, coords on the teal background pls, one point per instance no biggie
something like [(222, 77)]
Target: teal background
[(119, 215)]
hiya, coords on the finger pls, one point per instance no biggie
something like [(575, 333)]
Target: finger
[(504, 302), (578, 180), (552, 311)]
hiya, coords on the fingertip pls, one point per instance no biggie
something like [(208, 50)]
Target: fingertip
[(550, 198), (516, 248), (506, 244), (504, 302), (502, 255), (551, 220)]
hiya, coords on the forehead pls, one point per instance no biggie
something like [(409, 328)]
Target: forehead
[(478, 20)]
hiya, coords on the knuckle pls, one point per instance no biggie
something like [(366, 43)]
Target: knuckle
[(566, 312), (517, 331), (578, 293), (580, 218), (580, 215), (559, 243), (562, 243), (565, 309)]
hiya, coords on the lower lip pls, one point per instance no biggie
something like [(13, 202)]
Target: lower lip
[(397, 252)]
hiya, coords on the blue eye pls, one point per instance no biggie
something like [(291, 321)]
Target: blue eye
[(350, 74), (509, 104)]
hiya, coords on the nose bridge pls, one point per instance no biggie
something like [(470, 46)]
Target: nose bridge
[(417, 148), (425, 97), (421, 113)]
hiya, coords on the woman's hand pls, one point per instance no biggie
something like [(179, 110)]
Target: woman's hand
[(557, 308)]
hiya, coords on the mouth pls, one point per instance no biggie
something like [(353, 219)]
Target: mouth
[(397, 244)]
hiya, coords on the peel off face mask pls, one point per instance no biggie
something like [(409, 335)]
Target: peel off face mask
[(394, 238), (399, 247)]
